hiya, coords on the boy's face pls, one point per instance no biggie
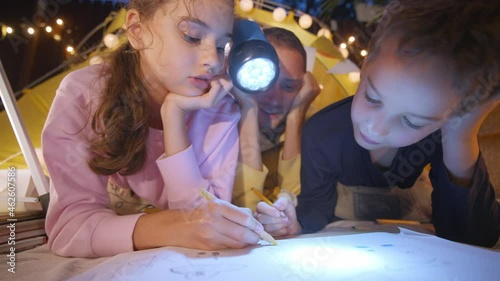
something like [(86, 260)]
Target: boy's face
[(398, 104), (275, 103)]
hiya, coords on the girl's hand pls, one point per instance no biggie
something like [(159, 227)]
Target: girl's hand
[(246, 101), (273, 222), (215, 225), (219, 88)]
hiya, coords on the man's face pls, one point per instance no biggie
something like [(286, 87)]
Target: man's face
[(274, 104)]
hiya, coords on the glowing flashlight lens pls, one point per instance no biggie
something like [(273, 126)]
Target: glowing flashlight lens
[(256, 74)]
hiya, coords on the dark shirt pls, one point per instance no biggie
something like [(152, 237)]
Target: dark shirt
[(330, 155)]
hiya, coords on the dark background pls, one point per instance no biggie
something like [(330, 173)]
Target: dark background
[(27, 57)]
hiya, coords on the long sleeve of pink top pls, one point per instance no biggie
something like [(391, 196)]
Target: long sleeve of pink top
[(79, 223)]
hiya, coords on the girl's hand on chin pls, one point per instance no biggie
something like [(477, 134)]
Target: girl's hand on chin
[(219, 87)]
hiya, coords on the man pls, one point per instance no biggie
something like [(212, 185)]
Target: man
[(271, 125)]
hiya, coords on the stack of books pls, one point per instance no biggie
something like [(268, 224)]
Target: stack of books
[(24, 231)]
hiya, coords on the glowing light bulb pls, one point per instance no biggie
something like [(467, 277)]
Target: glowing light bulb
[(59, 22), (354, 76), (9, 30), (96, 60), (351, 39), (279, 14), (31, 30), (305, 21), (246, 5), (111, 40), (48, 29), (344, 52), (70, 49), (325, 32), (363, 53)]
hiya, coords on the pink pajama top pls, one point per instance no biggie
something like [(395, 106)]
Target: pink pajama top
[(78, 221)]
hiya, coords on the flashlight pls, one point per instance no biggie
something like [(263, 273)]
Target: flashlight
[(253, 63)]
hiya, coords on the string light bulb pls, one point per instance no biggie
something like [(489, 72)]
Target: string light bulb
[(325, 32), (59, 22), (48, 29), (354, 76), (9, 30), (70, 49), (343, 50), (111, 40), (246, 5), (363, 53), (279, 14), (351, 39), (305, 21), (31, 30)]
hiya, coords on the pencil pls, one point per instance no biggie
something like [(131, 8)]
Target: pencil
[(262, 197), (390, 221), (265, 199), (263, 234)]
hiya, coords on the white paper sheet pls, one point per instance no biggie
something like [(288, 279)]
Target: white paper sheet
[(370, 256)]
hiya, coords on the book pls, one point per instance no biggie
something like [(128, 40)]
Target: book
[(5, 218), (23, 245), (22, 235), (23, 226)]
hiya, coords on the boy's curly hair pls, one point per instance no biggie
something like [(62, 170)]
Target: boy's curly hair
[(463, 35)]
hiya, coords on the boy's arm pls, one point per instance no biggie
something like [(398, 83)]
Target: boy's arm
[(460, 142), (468, 215)]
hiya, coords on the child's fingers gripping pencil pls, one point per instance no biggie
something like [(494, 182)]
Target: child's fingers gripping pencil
[(263, 234), (266, 200)]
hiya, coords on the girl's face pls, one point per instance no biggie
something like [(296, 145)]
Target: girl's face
[(183, 46), (397, 104)]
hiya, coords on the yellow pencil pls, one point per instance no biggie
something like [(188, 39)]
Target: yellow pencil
[(263, 234), (265, 199), (261, 196), (391, 221)]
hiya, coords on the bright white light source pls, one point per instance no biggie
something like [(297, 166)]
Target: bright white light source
[(305, 21), (246, 5), (341, 262), (354, 76), (96, 60), (70, 49), (59, 22), (344, 52), (9, 30), (48, 29), (325, 32), (111, 40), (31, 30), (351, 39), (279, 14), (256, 74), (363, 53)]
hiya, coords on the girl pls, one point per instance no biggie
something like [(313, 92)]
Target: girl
[(155, 119), (429, 82)]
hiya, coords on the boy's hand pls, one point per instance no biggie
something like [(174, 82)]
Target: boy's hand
[(273, 222)]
